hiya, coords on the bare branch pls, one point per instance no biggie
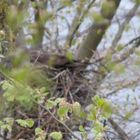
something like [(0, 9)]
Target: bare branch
[(136, 40), (122, 86), (77, 22), (95, 35), (119, 130), (62, 7), (126, 52), (123, 25), (54, 117)]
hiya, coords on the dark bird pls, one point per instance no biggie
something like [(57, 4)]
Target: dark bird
[(45, 58)]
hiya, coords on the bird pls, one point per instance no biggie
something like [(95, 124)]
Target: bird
[(45, 58)]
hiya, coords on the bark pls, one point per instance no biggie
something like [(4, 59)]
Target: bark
[(119, 130), (96, 33), (45, 58), (38, 36), (77, 21)]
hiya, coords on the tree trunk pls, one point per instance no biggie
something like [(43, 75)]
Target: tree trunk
[(96, 33)]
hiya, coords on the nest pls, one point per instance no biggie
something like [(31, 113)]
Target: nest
[(68, 76), (69, 81)]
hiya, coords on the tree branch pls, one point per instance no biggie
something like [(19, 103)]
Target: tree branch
[(58, 120), (119, 130), (77, 22), (96, 33), (123, 25)]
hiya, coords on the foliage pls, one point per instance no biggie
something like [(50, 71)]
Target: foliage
[(42, 102), (56, 135), (28, 96)]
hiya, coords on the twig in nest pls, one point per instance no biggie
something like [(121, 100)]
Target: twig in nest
[(59, 74)]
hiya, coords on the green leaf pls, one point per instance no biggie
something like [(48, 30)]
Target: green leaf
[(58, 100), (56, 135), (92, 116), (97, 17), (20, 74), (18, 92), (95, 99), (9, 121), (76, 108), (99, 105), (38, 131), (69, 56), (15, 17), (62, 112), (100, 102), (98, 127), (25, 123), (83, 132), (7, 124), (19, 59), (6, 127), (98, 130), (107, 110), (10, 91), (30, 122), (81, 128), (50, 104), (40, 134), (64, 108)]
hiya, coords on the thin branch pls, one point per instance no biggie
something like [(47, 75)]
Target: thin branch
[(137, 134), (124, 85), (57, 120), (136, 40), (94, 37), (122, 134), (78, 34), (123, 25), (62, 7), (127, 52), (77, 21)]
